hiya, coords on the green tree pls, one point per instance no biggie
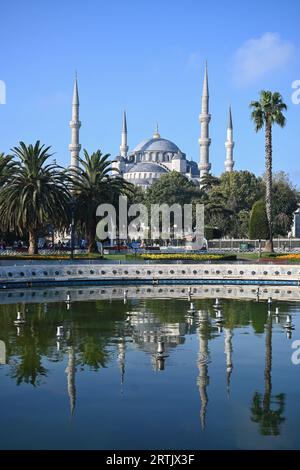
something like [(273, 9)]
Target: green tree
[(265, 113), (258, 225), (285, 202), (241, 189), (258, 228), (208, 181), (35, 193), (172, 188), (93, 184), (217, 213)]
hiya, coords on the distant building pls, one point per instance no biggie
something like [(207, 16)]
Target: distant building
[(296, 224), (157, 156)]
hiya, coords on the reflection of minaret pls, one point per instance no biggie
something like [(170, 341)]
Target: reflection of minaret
[(2, 352), (70, 370), (121, 360), (228, 352), (203, 379)]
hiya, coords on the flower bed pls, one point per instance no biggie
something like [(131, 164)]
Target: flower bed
[(290, 257), (186, 256)]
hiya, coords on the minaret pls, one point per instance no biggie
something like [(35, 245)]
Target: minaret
[(204, 118), (229, 144), (75, 124), (124, 146)]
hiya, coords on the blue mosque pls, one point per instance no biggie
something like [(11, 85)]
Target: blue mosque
[(156, 156)]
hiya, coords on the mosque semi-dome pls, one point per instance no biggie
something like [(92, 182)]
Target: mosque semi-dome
[(148, 167)]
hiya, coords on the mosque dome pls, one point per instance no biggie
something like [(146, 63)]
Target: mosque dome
[(156, 145)]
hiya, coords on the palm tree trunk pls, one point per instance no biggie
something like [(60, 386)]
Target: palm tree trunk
[(269, 243), (33, 245), (91, 234)]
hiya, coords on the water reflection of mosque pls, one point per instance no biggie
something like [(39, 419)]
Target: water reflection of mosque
[(148, 332), (153, 337)]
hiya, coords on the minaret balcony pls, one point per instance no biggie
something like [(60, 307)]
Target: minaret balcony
[(74, 147), (203, 117), (204, 141), (75, 124), (229, 145), (204, 166)]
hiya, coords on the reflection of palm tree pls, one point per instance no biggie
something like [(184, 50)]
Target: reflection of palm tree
[(93, 353), (269, 419), (30, 369)]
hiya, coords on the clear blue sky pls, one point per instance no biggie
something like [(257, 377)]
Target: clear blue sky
[(148, 57)]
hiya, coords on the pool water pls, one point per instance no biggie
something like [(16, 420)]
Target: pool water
[(150, 374)]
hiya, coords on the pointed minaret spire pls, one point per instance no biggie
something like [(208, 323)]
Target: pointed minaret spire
[(124, 147), (229, 125), (75, 124), (204, 118), (229, 144), (205, 91)]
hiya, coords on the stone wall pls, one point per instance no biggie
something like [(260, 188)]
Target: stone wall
[(148, 272)]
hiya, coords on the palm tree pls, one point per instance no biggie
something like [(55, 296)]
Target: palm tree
[(266, 112), (92, 184), (7, 166), (34, 195)]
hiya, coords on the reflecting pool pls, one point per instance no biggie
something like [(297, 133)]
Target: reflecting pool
[(147, 373)]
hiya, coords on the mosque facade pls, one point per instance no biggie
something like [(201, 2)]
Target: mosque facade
[(156, 156)]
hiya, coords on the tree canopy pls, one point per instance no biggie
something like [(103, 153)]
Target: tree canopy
[(258, 227)]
